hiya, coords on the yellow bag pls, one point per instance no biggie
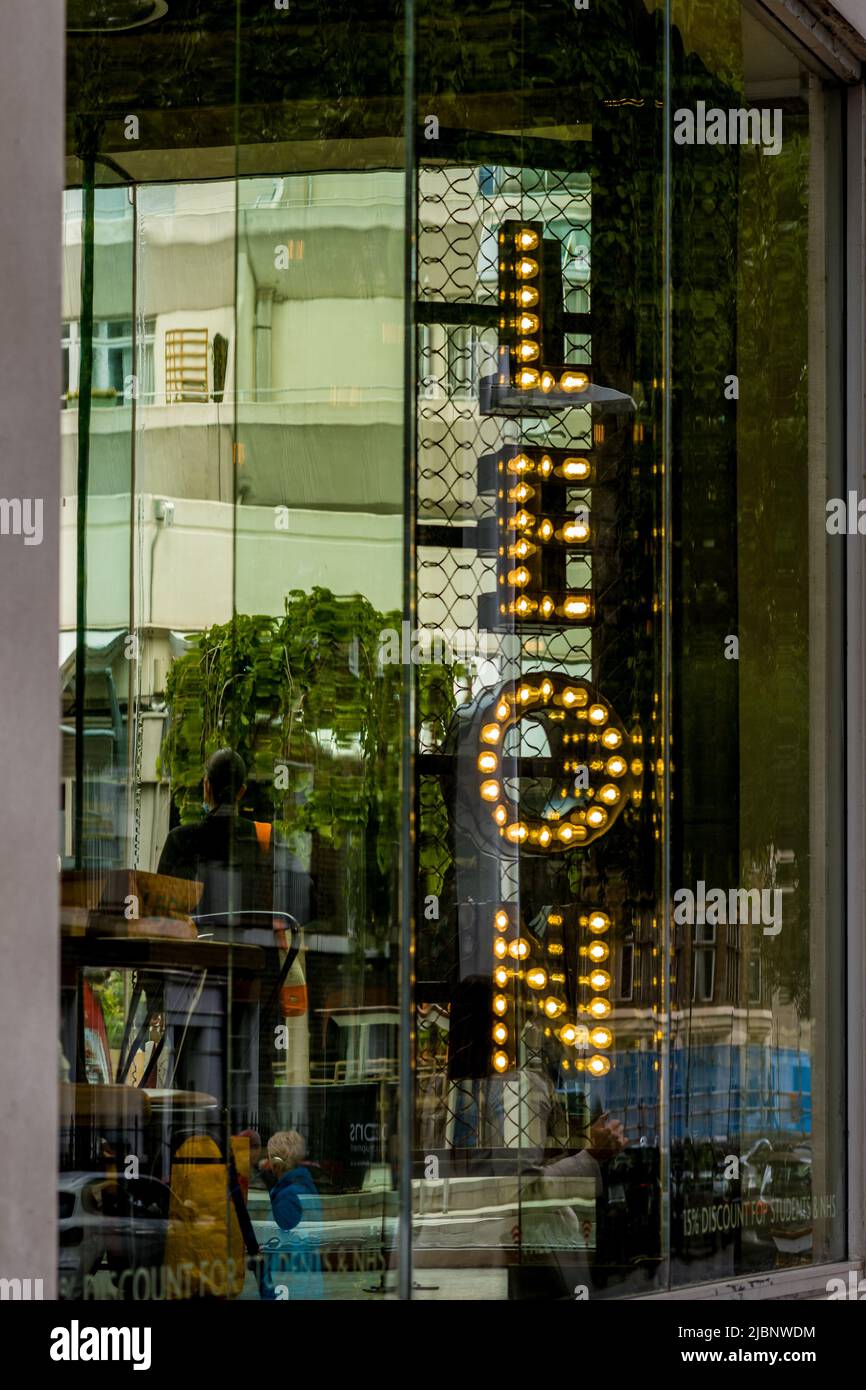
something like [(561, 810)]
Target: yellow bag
[(204, 1248)]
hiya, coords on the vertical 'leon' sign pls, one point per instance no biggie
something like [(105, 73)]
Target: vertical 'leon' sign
[(531, 377)]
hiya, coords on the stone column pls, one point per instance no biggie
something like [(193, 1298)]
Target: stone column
[(31, 176)]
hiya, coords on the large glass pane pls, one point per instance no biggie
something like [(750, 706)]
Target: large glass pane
[(231, 923), (508, 657), (539, 1127), (659, 1101), (319, 577), (757, 1080)]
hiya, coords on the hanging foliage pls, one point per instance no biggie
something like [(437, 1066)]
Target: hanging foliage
[(316, 716)]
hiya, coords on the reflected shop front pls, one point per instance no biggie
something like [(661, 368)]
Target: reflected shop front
[(452, 681)]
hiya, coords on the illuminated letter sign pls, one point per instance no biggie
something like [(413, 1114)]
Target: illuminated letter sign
[(534, 975), (533, 536), (530, 378), (583, 735)]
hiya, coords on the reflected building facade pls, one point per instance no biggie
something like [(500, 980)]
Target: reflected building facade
[(453, 444)]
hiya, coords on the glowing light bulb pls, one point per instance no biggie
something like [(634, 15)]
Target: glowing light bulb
[(500, 815), (526, 350), (546, 689), (500, 1004), (565, 833), (536, 978), (545, 530), (500, 1061), (637, 768), (525, 693), (528, 379), (596, 817), (519, 577), (502, 710), (526, 239), (544, 837), (527, 296), (526, 268), (491, 733), (500, 976), (548, 381), (552, 1007), (573, 381), (500, 948), (616, 766), (528, 323), (545, 465), (611, 738), (599, 979), (523, 606), (568, 1034), (491, 790), (522, 520), (572, 695), (487, 762), (554, 919), (516, 833), (546, 607), (597, 951), (598, 922), (521, 492), (609, 794), (597, 714), (576, 469), (575, 531), (520, 464), (519, 949), (577, 606), (598, 1066), (599, 1008), (601, 1037), (522, 550), (500, 1033), (501, 919)]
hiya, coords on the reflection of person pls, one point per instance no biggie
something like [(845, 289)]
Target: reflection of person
[(222, 851), (294, 1261), (237, 860)]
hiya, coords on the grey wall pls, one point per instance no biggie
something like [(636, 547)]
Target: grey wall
[(31, 179)]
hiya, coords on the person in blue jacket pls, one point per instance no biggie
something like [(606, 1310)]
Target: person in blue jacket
[(293, 1258)]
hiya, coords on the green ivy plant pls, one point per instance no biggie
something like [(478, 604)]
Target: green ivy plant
[(316, 717)]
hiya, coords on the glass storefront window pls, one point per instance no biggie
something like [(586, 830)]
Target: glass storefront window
[(447, 597)]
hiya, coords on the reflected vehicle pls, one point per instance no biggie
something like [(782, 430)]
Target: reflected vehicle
[(780, 1187), (82, 1233), (116, 1221), (700, 1187), (629, 1229)]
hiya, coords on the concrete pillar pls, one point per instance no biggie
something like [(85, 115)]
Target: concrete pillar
[(31, 177)]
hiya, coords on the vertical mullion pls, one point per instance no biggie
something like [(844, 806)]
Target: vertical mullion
[(407, 892)]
